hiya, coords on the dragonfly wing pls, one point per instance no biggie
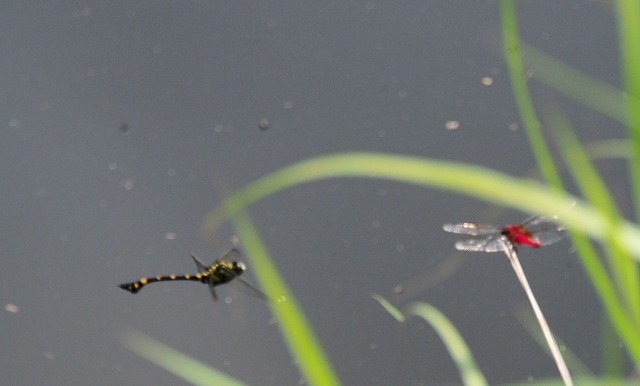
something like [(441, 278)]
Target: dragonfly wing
[(544, 230), (467, 228), (534, 221), (253, 290), (201, 266), (232, 255), (541, 223), (546, 237), (212, 288), (495, 245), (489, 244)]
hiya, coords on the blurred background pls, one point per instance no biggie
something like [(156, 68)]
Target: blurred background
[(124, 123)]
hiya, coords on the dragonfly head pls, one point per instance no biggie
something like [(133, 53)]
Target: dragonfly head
[(238, 267)]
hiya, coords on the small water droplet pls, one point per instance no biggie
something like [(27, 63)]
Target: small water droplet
[(11, 308), (487, 81), (452, 125), (128, 183), (263, 124)]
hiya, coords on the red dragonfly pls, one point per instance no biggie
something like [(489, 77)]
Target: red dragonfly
[(534, 232)]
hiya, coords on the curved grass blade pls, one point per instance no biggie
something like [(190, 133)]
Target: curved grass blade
[(629, 15), (559, 76), (458, 349), (474, 181), (175, 362), (391, 309), (489, 185), (623, 268)]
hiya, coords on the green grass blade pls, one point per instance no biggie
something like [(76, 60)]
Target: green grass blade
[(624, 270), (393, 311), (629, 39), (577, 85), (292, 322), (613, 361), (512, 53), (458, 349), (604, 286), (608, 149), (595, 191), (491, 186), (175, 362), (585, 381), (625, 323), (474, 181)]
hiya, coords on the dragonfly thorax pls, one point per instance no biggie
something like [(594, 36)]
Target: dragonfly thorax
[(519, 236), (225, 271)]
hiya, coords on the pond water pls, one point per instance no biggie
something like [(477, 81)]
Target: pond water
[(124, 124)]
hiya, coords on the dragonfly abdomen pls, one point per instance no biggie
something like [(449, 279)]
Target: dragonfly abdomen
[(136, 286)]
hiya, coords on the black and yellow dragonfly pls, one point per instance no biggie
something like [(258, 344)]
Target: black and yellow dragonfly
[(222, 271)]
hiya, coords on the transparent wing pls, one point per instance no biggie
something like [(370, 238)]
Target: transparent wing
[(232, 255), (253, 291), (549, 236), (201, 266), (544, 230), (467, 228), (535, 221), (489, 244), (212, 288)]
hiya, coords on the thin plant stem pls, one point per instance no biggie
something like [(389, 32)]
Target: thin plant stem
[(510, 251)]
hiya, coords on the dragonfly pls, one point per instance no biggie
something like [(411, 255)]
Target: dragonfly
[(222, 271), (534, 232)]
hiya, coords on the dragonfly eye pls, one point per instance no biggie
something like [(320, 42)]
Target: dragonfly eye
[(240, 265)]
